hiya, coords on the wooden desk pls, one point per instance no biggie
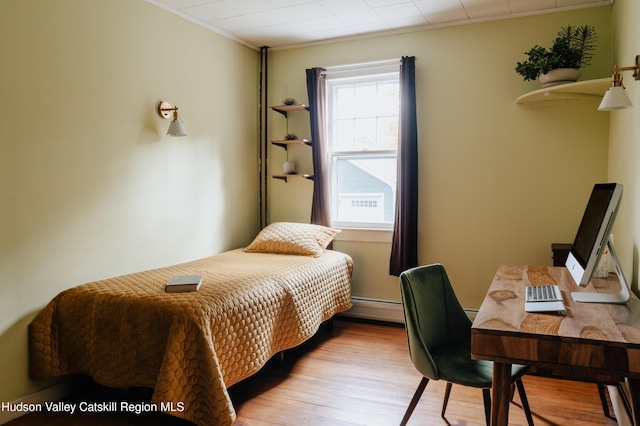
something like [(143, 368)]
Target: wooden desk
[(593, 342)]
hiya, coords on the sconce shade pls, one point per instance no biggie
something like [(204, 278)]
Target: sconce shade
[(176, 128), (615, 98)]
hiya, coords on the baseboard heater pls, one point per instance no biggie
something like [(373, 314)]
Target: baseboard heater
[(383, 310), (376, 309)]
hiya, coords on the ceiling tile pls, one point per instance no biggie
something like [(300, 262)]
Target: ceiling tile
[(441, 11), (360, 18), (306, 11), (254, 20), (287, 22), (210, 11), (486, 8), (320, 24), (243, 7), (288, 3), (181, 4), (339, 7), (379, 3), (396, 11), (406, 22), (522, 6)]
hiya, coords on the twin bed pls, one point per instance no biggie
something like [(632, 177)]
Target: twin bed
[(189, 347)]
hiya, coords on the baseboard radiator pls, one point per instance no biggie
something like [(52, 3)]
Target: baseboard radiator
[(383, 310)]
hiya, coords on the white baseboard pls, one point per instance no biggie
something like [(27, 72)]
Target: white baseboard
[(376, 309), (52, 393), (383, 310)]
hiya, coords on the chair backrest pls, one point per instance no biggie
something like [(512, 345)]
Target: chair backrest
[(433, 315)]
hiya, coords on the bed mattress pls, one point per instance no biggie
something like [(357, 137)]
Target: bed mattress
[(189, 347)]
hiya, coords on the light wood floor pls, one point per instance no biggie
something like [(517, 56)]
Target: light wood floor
[(355, 374)]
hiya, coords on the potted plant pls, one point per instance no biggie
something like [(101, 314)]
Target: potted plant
[(571, 50)]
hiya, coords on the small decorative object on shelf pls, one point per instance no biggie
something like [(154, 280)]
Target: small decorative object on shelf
[(289, 101), (289, 167), (290, 137), (573, 48)]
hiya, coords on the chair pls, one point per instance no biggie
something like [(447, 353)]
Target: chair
[(439, 335)]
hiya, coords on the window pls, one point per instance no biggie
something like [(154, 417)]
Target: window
[(362, 120)]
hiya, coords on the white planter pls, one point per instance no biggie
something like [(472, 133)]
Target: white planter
[(289, 167), (559, 76)]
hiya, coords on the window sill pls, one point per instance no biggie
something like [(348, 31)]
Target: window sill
[(365, 235)]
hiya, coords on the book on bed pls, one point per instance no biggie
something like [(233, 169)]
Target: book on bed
[(181, 283)]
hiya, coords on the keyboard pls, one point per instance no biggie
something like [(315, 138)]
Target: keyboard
[(543, 293)]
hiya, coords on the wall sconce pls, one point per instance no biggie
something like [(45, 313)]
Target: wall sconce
[(616, 97), (176, 128)]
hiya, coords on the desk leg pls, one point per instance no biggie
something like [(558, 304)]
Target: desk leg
[(501, 394), (634, 396)]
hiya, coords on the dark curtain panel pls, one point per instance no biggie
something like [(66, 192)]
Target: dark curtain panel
[(404, 248), (316, 92)]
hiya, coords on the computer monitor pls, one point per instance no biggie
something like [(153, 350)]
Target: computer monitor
[(591, 240)]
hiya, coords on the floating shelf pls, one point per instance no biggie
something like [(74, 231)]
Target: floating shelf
[(563, 93), (293, 175), (285, 142), (284, 109)]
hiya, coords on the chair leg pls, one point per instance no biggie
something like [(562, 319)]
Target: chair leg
[(447, 392), (525, 402), (414, 400), (486, 396), (625, 401), (603, 400)]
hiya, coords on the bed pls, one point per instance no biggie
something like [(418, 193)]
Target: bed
[(189, 347)]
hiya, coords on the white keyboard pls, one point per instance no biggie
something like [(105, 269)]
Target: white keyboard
[(543, 293)]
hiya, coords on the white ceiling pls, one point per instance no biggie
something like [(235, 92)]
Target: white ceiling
[(285, 23)]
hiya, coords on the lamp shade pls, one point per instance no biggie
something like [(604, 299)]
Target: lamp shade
[(615, 98), (176, 128)]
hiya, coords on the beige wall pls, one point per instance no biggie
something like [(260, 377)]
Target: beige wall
[(90, 186), (499, 183), (624, 151)]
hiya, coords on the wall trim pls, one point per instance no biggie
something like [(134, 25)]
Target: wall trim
[(376, 309), (383, 310)]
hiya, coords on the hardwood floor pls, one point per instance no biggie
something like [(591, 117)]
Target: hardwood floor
[(355, 374)]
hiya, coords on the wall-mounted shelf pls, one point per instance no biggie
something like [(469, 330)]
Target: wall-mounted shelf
[(285, 142), (563, 93), (292, 175), (284, 109)]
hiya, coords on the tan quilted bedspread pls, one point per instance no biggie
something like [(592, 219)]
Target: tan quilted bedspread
[(189, 347)]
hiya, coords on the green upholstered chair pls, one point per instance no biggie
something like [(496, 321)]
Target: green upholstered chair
[(439, 334)]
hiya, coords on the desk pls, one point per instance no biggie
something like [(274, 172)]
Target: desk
[(593, 342)]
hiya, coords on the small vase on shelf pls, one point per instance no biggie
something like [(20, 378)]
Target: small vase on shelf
[(289, 167)]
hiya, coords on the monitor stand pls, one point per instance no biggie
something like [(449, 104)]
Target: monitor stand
[(594, 297)]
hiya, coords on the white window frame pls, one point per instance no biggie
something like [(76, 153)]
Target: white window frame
[(349, 75)]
